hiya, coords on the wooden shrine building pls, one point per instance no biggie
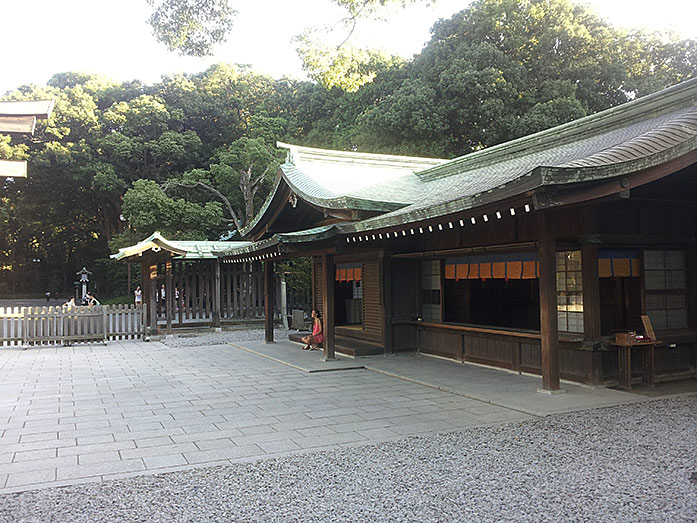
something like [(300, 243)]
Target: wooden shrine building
[(184, 284), (527, 256)]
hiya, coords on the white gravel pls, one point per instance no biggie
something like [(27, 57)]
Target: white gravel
[(628, 463), (220, 338)]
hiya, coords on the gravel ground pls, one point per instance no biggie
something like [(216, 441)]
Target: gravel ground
[(628, 463), (220, 338)]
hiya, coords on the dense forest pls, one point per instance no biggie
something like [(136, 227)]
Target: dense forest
[(194, 156)]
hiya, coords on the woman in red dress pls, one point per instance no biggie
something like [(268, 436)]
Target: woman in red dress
[(311, 342)]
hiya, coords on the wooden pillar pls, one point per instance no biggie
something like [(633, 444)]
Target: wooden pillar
[(387, 302), (691, 273), (145, 290), (169, 295), (328, 305), (152, 299), (548, 303), (217, 294), (268, 301), (128, 266), (590, 283)]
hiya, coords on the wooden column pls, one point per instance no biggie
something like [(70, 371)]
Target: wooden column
[(169, 295), (217, 294), (268, 300), (548, 303), (591, 290), (387, 302), (328, 305), (691, 274), (145, 290), (152, 298)]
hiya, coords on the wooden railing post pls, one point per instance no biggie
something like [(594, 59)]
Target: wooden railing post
[(25, 323)]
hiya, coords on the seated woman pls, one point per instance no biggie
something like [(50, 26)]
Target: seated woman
[(317, 337)]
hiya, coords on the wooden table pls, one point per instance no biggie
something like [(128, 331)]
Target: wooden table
[(624, 352)]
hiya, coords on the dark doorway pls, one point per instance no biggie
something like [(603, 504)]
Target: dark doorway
[(620, 305)]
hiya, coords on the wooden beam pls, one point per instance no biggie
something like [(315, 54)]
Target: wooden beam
[(548, 303), (328, 305), (268, 301)]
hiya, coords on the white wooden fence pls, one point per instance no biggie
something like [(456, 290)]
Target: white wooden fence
[(28, 326)]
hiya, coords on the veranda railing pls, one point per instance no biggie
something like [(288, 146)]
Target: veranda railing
[(30, 326)]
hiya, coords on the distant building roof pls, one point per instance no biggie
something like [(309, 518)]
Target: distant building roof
[(41, 109), (20, 118), (189, 250)]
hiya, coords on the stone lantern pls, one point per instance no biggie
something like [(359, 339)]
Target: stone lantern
[(84, 280)]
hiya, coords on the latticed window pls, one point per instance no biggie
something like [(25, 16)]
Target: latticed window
[(430, 290), (569, 291), (666, 295)]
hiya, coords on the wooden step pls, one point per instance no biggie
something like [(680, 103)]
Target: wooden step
[(349, 346), (354, 347)]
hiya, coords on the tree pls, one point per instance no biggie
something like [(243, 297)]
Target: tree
[(191, 27), (338, 63)]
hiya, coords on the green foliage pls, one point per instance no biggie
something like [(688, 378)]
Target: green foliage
[(341, 64), (147, 209), (345, 67), (298, 273), (191, 27)]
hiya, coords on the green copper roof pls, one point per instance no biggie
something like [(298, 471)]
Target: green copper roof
[(641, 134), (344, 180), (189, 250)]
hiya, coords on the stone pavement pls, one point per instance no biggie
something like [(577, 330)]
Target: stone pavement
[(89, 413), (498, 387)]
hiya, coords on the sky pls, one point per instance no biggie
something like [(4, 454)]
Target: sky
[(112, 39)]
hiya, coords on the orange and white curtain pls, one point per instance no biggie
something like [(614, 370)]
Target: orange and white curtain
[(618, 263), (348, 272), (520, 266)]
